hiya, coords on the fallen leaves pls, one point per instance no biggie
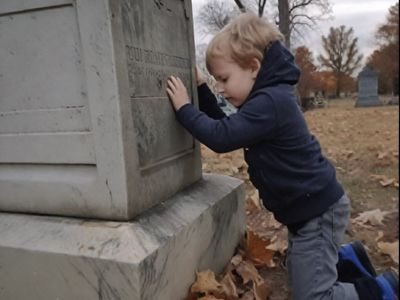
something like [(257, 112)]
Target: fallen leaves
[(257, 250), (205, 283), (370, 220), (372, 217), (240, 281), (391, 249), (385, 181), (266, 237), (265, 241)]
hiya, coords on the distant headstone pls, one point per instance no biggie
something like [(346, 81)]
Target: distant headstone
[(367, 88)]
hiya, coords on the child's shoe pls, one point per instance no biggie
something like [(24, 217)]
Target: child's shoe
[(388, 281), (382, 287), (354, 262)]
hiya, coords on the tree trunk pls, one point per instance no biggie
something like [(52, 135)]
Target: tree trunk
[(284, 20), (338, 85)]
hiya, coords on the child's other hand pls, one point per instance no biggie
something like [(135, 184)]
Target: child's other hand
[(200, 77), (177, 92)]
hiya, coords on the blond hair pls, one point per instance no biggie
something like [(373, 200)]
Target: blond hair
[(242, 40)]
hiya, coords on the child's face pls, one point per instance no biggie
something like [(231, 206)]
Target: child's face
[(234, 82)]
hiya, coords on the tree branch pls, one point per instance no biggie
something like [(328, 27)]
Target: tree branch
[(240, 5), (261, 6)]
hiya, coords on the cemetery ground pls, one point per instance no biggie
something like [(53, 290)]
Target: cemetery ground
[(363, 145)]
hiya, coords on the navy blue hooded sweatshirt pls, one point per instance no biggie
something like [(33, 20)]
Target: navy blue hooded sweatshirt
[(295, 181)]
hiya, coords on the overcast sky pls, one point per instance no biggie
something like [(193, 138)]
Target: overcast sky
[(363, 15)]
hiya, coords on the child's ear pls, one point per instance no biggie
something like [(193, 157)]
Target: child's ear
[(255, 66)]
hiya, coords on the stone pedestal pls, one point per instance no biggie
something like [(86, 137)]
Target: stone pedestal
[(153, 257), (86, 128), (101, 190)]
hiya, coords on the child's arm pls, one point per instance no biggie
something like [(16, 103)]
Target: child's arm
[(208, 103), (256, 121), (207, 100), (179, 97)]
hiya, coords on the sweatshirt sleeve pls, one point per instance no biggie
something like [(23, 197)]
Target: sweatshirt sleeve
[(254, 122), (208, 103)]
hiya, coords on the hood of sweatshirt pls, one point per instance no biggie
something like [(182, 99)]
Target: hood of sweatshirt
[(277, 67)]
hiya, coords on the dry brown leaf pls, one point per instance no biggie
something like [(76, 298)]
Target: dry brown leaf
[(210, 297), (229, 287), (377, 177), (236, 260), (205, 283), (279, 243), (384, 180), (261, 290), (272, 223), (387, 182), (391, 249), (341, 169), (249, 295), (234, 169), (191, 296), (238, 162), (382, 154), (373, 217), (255, 197), (248, 272), (347, 153), (256, 250), (380, 235), (252, 205)]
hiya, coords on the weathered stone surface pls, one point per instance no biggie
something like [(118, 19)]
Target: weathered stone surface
[(86, 128), (367, 88), (153, 257)]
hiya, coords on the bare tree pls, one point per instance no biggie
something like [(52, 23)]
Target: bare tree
[(304, 59), (341, 54), (294, 16), (261, 7), (246, 5), (214, 15), (305, 14)]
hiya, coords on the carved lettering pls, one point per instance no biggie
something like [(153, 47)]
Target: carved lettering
[(156, 58), (148, 71)]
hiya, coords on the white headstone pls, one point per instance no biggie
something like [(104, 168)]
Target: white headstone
[(86, 128)]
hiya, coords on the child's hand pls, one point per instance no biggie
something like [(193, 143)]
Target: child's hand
[(177, 92), (200, 77)]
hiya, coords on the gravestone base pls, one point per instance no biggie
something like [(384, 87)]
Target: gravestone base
[(153, 257), (368, 102)]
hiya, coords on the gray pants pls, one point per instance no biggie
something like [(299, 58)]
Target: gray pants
[(313, 254)]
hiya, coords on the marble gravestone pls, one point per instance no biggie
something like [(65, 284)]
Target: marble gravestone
[(101, 190), (85, 126), (367, 88)]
